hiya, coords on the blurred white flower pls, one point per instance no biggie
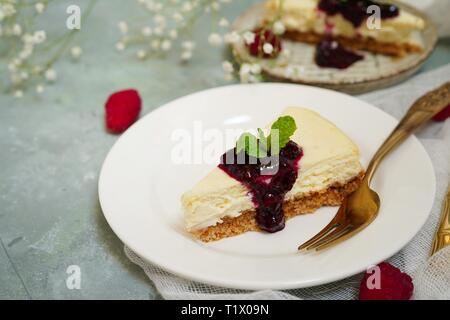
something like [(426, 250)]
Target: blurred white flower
[(40, 88), (186, 56), (173, 34), (123, 27), (187, 6), (18, 93), (215, 39), (166, 45), (227, 67), (155, 44), (147, 31), (177, 17), (278, 28), (17, 29), (39, 36), (224, 23), (141, 54), (120, 46), (232, 37), (188, 45), (255, 68), (268, 48), (50, 75), (249, 37), (39, 7), (249, 73), (76, 52)]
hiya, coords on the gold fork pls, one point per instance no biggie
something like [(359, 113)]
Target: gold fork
[(442, 237), (361, 207)]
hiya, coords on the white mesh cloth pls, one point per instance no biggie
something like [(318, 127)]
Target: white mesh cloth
[(431, 280)]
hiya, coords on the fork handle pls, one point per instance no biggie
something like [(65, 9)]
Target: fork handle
[(420, 112)]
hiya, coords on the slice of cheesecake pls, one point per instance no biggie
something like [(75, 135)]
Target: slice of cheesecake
[(349, 22), (317, 167)]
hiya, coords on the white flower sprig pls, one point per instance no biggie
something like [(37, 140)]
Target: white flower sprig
[(30, 55), (169, 27)]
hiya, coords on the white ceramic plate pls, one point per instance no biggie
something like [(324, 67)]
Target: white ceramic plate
[(140, 189)]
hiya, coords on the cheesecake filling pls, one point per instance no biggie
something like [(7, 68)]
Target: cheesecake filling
[(210, 209), (307, 17)]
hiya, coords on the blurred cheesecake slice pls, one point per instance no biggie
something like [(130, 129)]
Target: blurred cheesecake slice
[(312, 20)]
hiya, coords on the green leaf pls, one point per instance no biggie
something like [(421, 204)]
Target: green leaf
[(285, 127), (249, 143), (258, 147), (262, 139)]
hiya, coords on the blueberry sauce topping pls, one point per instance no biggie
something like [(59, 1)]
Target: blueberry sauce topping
[(267, 191), (263, 36), (355, 11), (330, 54)]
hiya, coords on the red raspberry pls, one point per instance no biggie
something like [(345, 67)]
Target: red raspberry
[(122, 110), (394, 285), (263, 36), (443, 115)]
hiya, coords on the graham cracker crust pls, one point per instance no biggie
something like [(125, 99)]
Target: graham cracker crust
[(332, 196), (368, 44)]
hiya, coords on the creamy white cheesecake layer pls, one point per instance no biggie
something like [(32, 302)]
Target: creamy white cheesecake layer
[(303, 16), (329, 157)]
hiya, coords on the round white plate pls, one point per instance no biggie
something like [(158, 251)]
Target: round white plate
[(140, 189)]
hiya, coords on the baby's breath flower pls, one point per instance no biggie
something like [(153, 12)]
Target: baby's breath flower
[(268, 48), (39, 36), (249, 37), (40, 88), (39, 7), (166, 45), (215, 39), (50, 75), (278, 28), (120, 46), (141, 54), (173, 34), (18, 93), (227, 67), (147, 31), (255, 68), (215, 6), (232, 37), (155, 44), (224, 23), (76, 52), (188, 45), (186, 55), (187, 7), (17, 30), (123, 27), (177, 17)]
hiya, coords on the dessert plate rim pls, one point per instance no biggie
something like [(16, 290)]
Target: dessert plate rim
[(186, 257)]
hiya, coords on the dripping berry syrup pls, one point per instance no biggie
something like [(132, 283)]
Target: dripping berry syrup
[(355, 11), (331, 54), (267, 191)]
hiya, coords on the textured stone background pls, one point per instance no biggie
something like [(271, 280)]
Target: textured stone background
[(52, 148)]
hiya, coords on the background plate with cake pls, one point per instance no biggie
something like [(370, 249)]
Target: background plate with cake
[(336, 44)]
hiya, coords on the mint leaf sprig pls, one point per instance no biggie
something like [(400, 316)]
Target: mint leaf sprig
[(261, 146)]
